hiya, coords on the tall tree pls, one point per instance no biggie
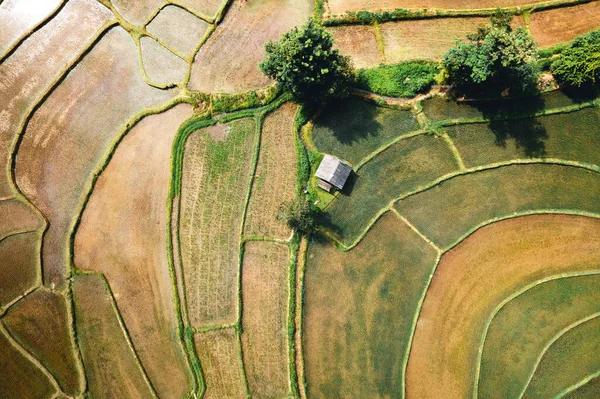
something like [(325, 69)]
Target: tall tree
[(579, 64)]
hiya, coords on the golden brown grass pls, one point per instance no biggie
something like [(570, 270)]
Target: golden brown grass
[(123, 235), (564, 24), (275, 177), (264, 319), (359, 43), (474, 277)]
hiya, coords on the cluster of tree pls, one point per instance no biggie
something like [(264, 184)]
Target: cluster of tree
[(579, 64), (299, 214), (496, 57)]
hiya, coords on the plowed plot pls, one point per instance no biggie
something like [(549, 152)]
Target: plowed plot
[(426, 38), (518, 333), (40, 323), (575, 354), (359, 43), (356, 338), (208, 8), (468, 284), (564, 24), (572, 137), (20, 377), (19, 265), (590, 390), (16, 216), (219, 354), (126, 217), (354, 128), (228, 62), (399, 169), (110, 363), (275, 177), (339, 6), (162, 66), (265, 299), (64, 143), (178, 29), (137, 12), (448, 211), (17, 17), (214, 187), (22, 80)]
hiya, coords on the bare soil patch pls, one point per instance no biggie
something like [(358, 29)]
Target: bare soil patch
[(358, 42), (162, 66), (564, 24), (137, 12), (123, 235), (474, 277)]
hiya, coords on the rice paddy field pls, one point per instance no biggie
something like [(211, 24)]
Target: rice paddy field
[(145, 158)]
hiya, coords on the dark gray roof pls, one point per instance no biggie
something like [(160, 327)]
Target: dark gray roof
[(334, 171)]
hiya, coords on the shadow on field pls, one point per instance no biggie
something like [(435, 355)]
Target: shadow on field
[(582, 94), (350, 120)]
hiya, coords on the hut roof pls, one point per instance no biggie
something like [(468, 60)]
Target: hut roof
[(333, 171)]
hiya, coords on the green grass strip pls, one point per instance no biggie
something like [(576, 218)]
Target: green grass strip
[(578, 385)]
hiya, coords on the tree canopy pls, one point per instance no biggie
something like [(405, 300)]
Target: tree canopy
[(304, 63), (579, 64), (300, 215), (496, 57)]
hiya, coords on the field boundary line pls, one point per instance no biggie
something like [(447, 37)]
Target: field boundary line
[(414, 228), (552, 341), (18, 232), (6, 307), (578, 385), (214, 327), (455, 153), (70, 304), (143, 71), (301, 268), (242, 368), (265, 239), (506, 301), (25, 35), (29, 356), (291, 316), (192, 57), (380, 41), (388, 145), (415, 320)]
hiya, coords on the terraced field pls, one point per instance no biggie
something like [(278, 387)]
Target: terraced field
[(145, 156)]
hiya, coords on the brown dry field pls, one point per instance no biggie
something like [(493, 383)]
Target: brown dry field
[(19, 16), (228, 61), (19, 268), (426, 38), (138, 12), (72, 132), (275, 177), (208, 8), (468, 285), (20, 377), (162, 66), (219, 357), (110, 364), (340, 6), (359, 43), (123, 235), (179, 29), (264, 319), (41, 323), (214, 186), (17, 216), (35, 64), (564, 24)]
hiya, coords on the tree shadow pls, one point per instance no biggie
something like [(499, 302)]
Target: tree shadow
[(350, 120), (585, 93)]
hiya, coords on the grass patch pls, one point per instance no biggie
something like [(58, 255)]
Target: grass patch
[(449, 210), (520, 330), (406, 79), (401, 168), (355, 341), (354, 128)]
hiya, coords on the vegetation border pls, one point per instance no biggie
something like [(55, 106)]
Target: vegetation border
[(578, 385)]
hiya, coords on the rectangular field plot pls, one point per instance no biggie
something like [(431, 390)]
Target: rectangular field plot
[(219, 354), (522, 328), (264, 321), (448, 211), (110, 363), (354, 128), (359, 309), (217, 167), (564, 24), (399, 169), (339, 6), (359, 43), (275, 177), (572, 136), (19, 268)]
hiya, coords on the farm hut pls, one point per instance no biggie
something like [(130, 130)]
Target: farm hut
[(332, 172)]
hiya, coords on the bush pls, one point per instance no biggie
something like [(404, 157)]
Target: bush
[(406, 79), (300, 215), (579, 63)]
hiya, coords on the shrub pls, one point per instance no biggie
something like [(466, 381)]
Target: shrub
[(406, 79), (579, 63), (300, 215)]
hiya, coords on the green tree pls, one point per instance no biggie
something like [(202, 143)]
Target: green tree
[(579, 64), (301, 215), (304, 63), (496, 57)]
